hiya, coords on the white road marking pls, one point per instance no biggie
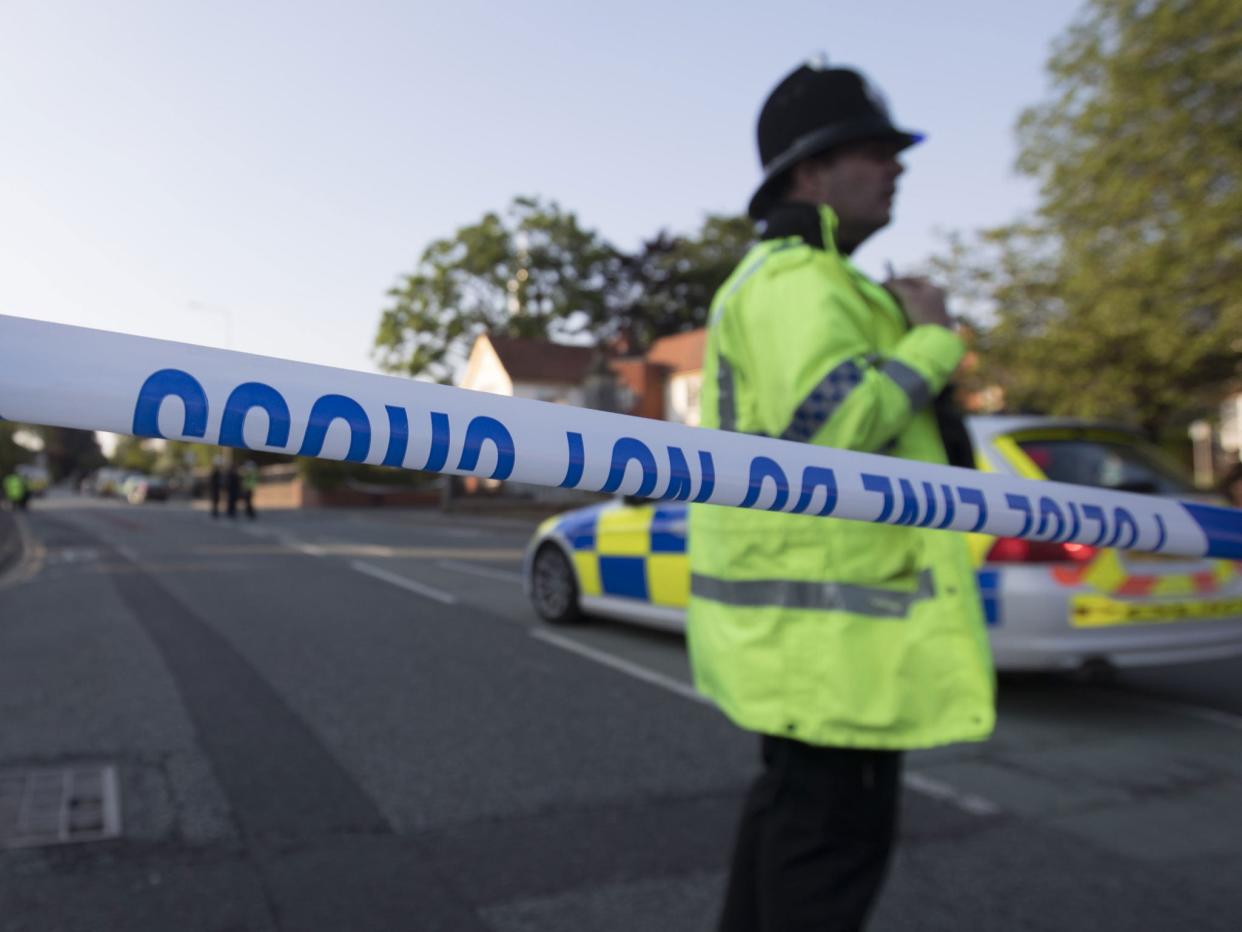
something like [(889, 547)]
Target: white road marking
[(128, 553), (1213, 716), (404, 582), (919, 783), (350, 549), (336, 548), (32, 558), (968, 802), (616, 663), (487, 572), (294, 544)]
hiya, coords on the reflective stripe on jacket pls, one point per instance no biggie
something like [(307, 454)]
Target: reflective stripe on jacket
[(832, 632)]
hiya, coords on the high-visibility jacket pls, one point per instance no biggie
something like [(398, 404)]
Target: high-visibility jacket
[(827, 631), (14, 487)]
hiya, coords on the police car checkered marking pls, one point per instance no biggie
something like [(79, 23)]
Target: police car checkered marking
[(668, 529), (662, 575), (989, 594), (579, 530), (623, 576), (637, 553)]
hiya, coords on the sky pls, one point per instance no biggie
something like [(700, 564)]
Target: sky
[(256, 176)]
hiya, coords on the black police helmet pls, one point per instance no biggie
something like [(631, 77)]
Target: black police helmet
[(812, 110)]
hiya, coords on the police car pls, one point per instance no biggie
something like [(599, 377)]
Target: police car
[(1048, 606)]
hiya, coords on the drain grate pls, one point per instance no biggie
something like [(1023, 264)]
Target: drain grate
[(59, 806)]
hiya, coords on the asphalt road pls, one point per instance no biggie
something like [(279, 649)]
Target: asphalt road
[(353, 721)]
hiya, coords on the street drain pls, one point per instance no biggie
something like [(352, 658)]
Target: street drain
[(59, 806)]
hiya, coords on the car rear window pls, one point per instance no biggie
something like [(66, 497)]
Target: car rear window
[(1122, 463)]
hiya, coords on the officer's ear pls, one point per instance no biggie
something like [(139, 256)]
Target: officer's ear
[(808, 181)]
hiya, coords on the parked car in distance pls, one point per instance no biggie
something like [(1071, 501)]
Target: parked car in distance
[(1048, 606), (37, 477), (137, 489), (105, 481)]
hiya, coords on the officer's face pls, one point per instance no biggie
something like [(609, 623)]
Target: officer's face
[(859, 182)]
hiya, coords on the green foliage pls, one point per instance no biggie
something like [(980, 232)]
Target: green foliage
[(11, 452), (532, 271), (180, 456), (1123, 297), (1005, 283), (70, 452), (135, 454), (673, 278)]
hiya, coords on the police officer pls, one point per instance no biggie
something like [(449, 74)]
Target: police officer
[(215, 485), (840, 643), (16, 491), (232, 489), (249, 483)]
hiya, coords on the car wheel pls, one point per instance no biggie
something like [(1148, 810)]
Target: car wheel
[(554, 589)]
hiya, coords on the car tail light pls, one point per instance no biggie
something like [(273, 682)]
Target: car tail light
[(1017, 550)]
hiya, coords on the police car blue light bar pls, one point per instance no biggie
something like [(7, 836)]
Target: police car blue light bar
[(97, 380)]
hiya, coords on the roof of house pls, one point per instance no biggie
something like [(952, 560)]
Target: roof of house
[(681, 352), (540, 361)]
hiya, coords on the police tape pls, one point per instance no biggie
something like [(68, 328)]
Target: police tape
[(67, 376)]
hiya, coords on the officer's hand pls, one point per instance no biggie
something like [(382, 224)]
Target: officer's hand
[(922, 301)]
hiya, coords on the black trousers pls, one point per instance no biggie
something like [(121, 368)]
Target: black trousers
[(816, 833)]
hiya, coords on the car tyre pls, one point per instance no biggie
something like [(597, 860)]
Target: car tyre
[(554, 587)]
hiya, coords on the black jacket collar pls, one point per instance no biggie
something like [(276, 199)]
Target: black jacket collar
[(793, 219)]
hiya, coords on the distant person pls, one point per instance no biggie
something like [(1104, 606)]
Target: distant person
[(16, 492), (249, 482), (215, 485), (232, 489), (841, 644)]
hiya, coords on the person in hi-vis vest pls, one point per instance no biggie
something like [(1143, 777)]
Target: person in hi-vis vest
[(840, 643)]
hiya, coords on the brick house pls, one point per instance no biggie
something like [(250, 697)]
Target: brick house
[(663, 384), (680, 358)]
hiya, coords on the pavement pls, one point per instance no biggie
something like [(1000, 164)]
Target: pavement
[(353, 720), (10, 540)]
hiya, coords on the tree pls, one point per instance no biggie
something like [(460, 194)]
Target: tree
[(536, 272), (178, 457), (672, 279), (1005, 284), (135, 454), (11, 452), (1130, 303), (70, 452), (532, 271)]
